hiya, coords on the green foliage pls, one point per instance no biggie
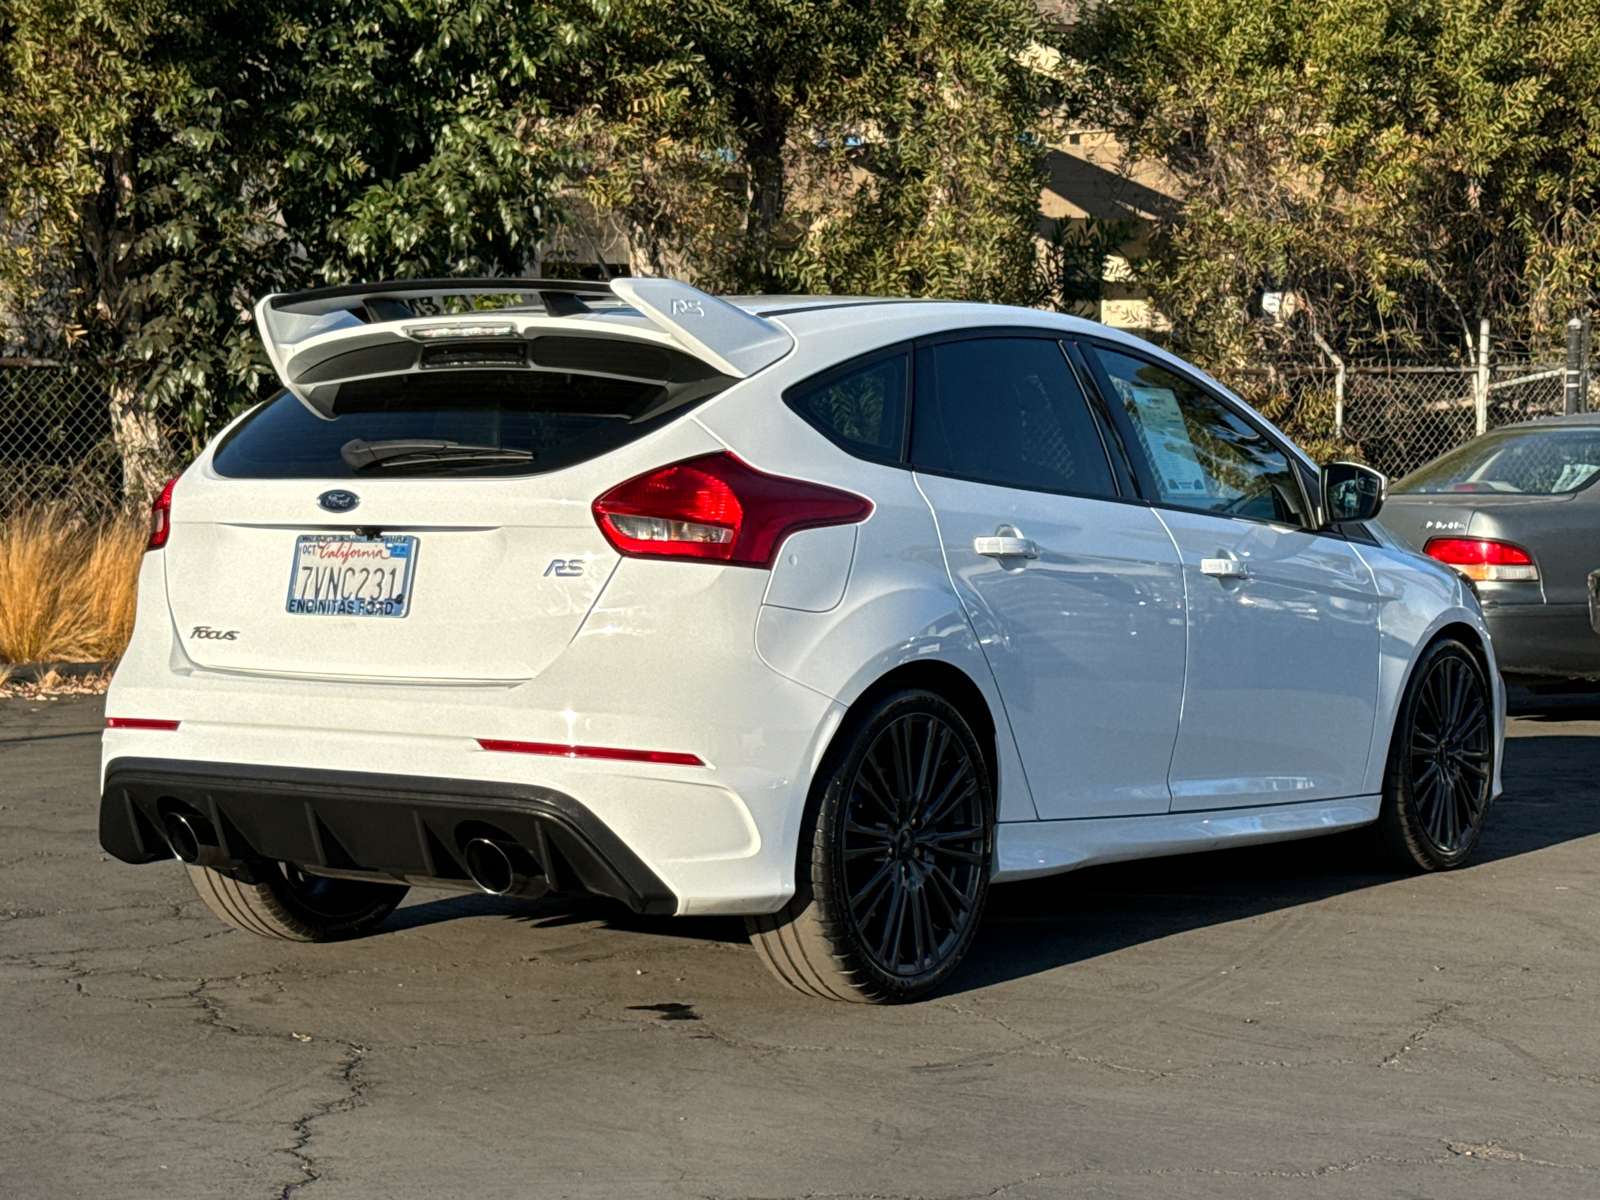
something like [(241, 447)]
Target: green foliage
[(834, 145), (1074, 260), (215, 151), (176, 161), (1404, 166)]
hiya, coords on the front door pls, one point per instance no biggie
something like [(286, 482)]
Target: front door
[(1282, 680), (1076, 594)]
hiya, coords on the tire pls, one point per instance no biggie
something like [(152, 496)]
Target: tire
[(895, 854), (1440, 775), (278, 900)]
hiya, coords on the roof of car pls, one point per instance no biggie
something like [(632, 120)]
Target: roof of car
[(1589, 418)]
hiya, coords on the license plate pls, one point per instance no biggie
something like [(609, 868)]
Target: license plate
[(340, 576)]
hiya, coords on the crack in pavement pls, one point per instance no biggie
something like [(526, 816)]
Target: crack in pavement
[(348, 1073), (1429, 1023)]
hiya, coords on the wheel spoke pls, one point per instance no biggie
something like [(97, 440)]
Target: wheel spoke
[(932, 754), (919, 940), (873, 889), (950, 797), (957, 898), (943, 890), (1432, 809)]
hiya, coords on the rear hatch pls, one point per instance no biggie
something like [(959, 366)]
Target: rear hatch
[(430, 527), (415, 506)]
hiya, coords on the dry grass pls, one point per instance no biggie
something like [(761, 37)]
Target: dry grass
[(67, 588)]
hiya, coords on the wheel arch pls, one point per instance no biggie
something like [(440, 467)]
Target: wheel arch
[(954, 685)]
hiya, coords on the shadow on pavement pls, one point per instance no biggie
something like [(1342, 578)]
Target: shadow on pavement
[(1552, 795)]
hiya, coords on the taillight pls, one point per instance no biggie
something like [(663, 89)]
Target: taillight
[(717, 508), (161, 517), (1484, 559), (140, 723)]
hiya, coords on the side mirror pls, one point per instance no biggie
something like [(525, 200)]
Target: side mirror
[(1352, 492)]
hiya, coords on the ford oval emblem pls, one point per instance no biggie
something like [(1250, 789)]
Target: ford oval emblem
[(338, 500)]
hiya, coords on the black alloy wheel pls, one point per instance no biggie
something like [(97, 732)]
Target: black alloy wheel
[(914, 845), (895, 857), (1441, 763)]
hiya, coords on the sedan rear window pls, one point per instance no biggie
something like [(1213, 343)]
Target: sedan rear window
[(455, 422), (1530, 462)]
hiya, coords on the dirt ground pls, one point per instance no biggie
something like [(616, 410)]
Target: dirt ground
[(1254, 1023)]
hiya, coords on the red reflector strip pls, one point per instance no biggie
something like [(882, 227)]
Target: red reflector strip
[(561, 750), (139, 723)]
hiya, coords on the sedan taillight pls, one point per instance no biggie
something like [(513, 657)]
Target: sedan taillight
[(718, 509), (1484, 559)]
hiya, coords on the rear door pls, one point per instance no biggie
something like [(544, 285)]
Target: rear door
[(1281, 684), (1076, 594)]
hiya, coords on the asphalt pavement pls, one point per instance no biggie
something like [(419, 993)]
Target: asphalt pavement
[(1252, 1023)]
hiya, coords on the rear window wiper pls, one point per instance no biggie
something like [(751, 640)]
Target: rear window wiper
[(360, 454)]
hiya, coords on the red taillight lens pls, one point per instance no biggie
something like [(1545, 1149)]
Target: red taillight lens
[(139, 723), (161, 518), (719, 509), (1484, 559)]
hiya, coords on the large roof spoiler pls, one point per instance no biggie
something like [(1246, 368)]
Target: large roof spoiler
[(319, 339)]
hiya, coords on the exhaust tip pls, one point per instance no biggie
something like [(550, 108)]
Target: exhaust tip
[(490, 866), (192, 839), (504, 868)]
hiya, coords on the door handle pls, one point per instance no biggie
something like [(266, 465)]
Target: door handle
[(1224, 568), (1005, 547)]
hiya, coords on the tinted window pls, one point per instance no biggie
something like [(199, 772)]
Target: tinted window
[(862, 408), (1199, 451), (1534, 462), (1006, 411), (478, 422)]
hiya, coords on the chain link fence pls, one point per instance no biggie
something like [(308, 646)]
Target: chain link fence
[(1396, 418), (56, 438), (57, 442)]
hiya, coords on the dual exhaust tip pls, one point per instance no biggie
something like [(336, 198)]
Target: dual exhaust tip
[(503, 868), (193, 839), (500, 868)]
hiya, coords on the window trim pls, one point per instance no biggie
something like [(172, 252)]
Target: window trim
[(1146, 482), (1019, 332), (850, 366)]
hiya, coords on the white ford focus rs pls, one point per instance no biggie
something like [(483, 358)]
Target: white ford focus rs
[(829, 613)]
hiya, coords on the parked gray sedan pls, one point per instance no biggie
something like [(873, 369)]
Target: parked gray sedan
[(1517, 512)]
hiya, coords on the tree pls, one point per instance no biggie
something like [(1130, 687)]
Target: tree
[(1404, 167), (831, 145), (182, 160)]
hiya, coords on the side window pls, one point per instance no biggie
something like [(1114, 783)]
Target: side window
[(861, 408), (1200, 452), (1006, 411)]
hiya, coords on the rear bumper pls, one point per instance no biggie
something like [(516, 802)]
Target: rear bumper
[(409, 827), (1548, 641)]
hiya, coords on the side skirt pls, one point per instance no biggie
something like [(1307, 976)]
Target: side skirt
[(1030, 849)]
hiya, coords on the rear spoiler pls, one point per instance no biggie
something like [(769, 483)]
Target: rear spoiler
[(319, 339)]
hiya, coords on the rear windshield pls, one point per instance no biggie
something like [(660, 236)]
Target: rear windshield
[(466, 422), (1532, 462)]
